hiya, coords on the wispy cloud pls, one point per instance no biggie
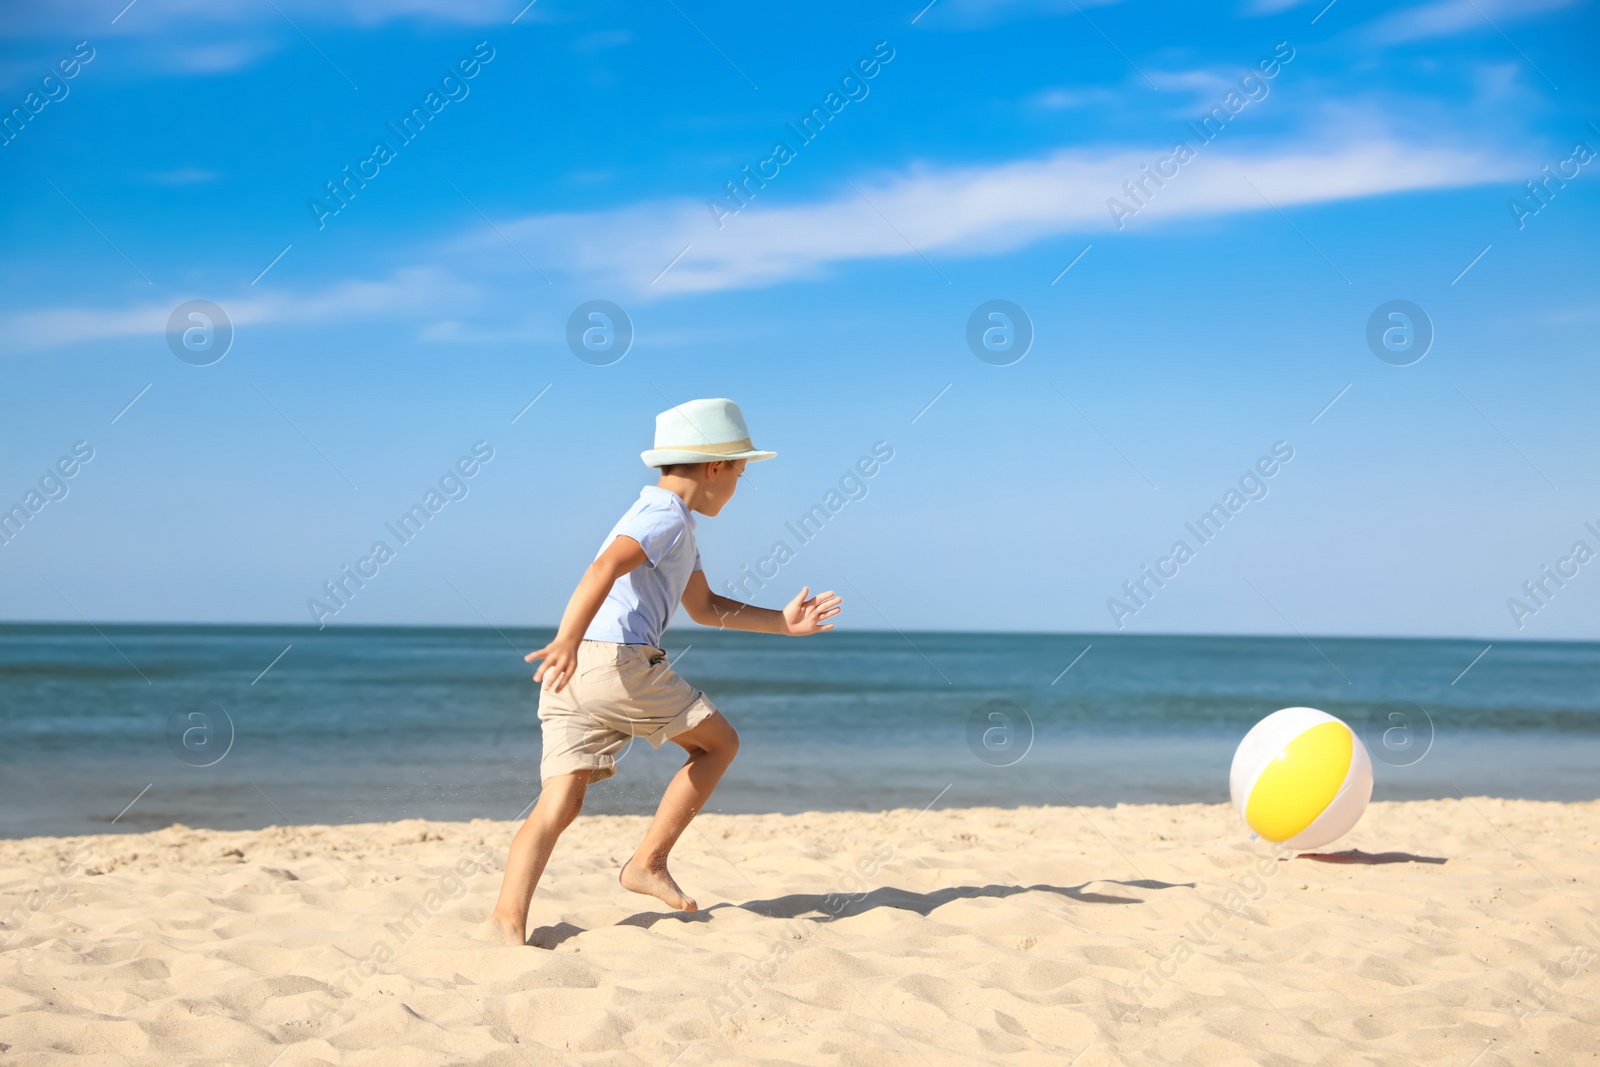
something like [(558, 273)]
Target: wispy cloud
[(162, 16), (978, 14), (969, 211), (217, 58), (1447, 17), (924, 211), (415, 292), (203, 38), (1074, 97)]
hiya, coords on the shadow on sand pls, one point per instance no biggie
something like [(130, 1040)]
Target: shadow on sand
[(814, 906), (1369, 859), (551, 936)]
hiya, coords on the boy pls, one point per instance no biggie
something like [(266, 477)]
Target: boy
[(605, 678)]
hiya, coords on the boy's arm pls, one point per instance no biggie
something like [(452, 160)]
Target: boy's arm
[(801, 616), (560, 656)]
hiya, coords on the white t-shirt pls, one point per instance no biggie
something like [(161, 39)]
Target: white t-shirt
[(641, 602)]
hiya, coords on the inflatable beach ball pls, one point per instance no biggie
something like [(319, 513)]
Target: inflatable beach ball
[(1302, 777)]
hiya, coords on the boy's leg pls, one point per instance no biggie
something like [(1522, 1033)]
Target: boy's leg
[(558, 805), (711, 746)]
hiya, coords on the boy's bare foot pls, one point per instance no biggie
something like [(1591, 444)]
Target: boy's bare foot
[(655, 882), (500, 932)]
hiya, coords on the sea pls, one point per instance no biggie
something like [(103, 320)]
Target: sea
[(122, 728)]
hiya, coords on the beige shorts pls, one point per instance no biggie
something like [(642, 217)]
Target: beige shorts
[(616, 692)]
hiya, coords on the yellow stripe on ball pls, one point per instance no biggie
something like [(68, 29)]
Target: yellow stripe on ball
[(1300, 781)]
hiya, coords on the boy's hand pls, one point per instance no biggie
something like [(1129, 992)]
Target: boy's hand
[(560, 659), (560, 656), (802, 616)]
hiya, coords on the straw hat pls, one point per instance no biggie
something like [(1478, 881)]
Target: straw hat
[(701, 430)]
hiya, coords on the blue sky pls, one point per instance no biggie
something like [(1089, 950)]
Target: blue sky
[(1178, 333)]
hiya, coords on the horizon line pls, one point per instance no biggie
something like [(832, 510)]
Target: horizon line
[(892, 631)]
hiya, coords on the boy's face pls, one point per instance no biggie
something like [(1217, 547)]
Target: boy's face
[(718, 483)]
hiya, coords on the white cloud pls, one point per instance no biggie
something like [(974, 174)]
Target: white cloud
[(220, 58), (935, 212), (372, 12), (1065, 99), (1207, 84), (162, 16), (978, 14), (411, 292), (967, 211), (1446, 17), (1209, 87), (204, 37), (530, 330)]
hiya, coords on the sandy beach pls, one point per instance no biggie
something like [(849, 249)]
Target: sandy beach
[(1461, 931)]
